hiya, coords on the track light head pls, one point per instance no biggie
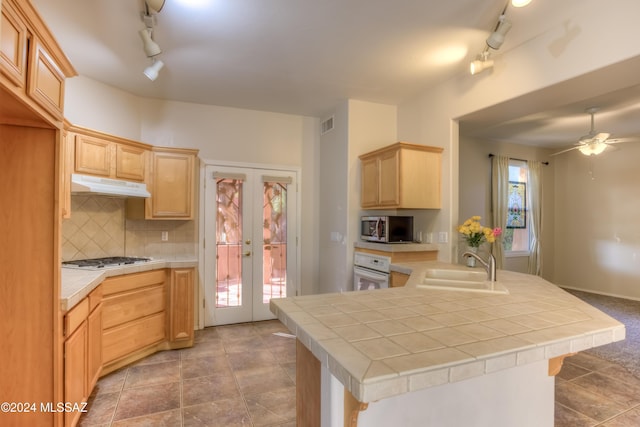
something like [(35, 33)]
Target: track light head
[(150, 47), (153, 70), (495, 40), (481, 63), (156, 5), (520, 3)]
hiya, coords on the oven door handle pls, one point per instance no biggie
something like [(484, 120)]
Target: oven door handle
[(370, 274)]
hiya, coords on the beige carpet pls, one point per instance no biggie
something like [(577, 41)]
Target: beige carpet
[(627, 352)]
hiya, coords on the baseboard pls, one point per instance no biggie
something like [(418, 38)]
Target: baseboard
[(600, 293)]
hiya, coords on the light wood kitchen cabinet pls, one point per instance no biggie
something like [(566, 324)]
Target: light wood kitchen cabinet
[(181, 304), (82, 352), (109, 156), (133, 315), (401, 176), (171, 182), (32, 360), (31, 61), (398, 279), (144, 313)]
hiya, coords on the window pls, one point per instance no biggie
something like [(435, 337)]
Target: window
[(516, 236)]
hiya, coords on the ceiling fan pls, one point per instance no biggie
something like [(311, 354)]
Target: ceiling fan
[(593, 143)]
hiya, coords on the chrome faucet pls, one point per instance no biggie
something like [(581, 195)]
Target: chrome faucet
[(489, 265)]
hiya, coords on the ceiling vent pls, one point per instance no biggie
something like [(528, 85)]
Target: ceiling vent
[(326, 125)]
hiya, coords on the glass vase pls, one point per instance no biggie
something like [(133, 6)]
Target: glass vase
[(471, 261)]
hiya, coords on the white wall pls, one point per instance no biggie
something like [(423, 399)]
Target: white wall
[(333, 203), (360, 127), (525, 74), (597, 211)]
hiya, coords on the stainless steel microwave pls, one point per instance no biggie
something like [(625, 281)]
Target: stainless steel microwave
[(387, 229)]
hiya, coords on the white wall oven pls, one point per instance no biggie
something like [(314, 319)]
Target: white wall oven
[(370, 271)]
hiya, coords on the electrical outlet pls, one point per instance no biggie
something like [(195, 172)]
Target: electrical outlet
[(164, 236), (443, 237)]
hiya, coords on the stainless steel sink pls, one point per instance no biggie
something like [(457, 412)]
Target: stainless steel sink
[(460, 280)]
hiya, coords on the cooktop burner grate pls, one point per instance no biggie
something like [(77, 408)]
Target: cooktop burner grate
[(104, 262)]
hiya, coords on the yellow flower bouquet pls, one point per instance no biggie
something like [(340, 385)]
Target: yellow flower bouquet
[(475, 234)]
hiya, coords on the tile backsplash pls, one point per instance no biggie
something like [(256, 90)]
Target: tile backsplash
[(98, 228)]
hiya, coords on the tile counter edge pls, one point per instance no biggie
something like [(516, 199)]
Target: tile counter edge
[(76, 284)]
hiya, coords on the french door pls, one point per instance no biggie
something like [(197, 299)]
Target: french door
[(250, 242)]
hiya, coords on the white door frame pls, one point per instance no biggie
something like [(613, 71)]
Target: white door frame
[(200, 294)]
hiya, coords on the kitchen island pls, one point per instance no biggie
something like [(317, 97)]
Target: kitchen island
[(413, 356)]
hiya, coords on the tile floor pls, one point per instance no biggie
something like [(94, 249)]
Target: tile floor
[(238, 375), (591, 391), (243, 375)]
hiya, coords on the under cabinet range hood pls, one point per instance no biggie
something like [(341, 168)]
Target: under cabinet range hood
[(85, 184)]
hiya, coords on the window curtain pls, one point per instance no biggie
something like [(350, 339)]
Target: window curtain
[(499, 200), (535, 216)]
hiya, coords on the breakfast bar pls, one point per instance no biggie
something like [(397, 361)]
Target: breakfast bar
[(417, 356)]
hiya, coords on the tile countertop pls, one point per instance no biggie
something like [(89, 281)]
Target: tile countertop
[(386, 342), (78, 283)]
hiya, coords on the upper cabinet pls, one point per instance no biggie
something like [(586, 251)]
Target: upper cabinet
[(32, 65), (171, 182), (108, 156), (401, 176)]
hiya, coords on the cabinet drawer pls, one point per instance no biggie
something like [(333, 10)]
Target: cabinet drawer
[(128, 306), (75, 317), (129, 282), (129, 337)]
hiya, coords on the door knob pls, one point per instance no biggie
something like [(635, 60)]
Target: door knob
[(247, 242), (248, 253)]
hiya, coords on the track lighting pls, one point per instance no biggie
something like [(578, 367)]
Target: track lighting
[(153, 70), (495, 40), (150, 47), (481, 63), (156, 5), (520, 3)]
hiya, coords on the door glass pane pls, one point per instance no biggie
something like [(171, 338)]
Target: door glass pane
[(274, 248), (229, 243)]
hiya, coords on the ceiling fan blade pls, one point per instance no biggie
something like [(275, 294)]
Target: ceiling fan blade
[(619, 140), (564, 151)]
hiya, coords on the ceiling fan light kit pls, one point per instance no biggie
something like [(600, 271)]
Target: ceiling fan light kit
[(593, 143), (593, 149)]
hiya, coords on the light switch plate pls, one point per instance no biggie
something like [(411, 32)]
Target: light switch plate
[(443, 237)]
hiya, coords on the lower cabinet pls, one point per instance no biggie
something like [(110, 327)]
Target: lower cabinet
[(144, 313), (82, 352)]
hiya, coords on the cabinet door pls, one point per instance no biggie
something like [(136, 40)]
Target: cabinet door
[(130, 162), (370, 182), (93, 156), (94, 347), (389, 169), (46, 81), (172, 186), (75, 358), (181, 304), (13, 50)]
